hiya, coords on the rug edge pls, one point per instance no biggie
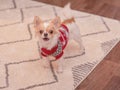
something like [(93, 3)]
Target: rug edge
[(98, 62)]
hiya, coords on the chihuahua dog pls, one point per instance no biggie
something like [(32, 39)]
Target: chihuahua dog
[(54, 36)]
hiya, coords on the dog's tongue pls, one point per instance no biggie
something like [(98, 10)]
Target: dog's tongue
[(45, 39)]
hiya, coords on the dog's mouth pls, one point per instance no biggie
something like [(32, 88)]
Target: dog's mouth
[(45, 39)]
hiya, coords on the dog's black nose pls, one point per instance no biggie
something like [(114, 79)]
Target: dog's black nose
[(45, 34)]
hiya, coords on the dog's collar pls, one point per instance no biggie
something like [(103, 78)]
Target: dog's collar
[(59, 49)]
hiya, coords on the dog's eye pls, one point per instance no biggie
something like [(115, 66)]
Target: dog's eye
[(41, 31), (51, 31)]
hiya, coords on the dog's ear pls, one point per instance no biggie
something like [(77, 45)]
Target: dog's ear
[(37, 21), (56, 22)]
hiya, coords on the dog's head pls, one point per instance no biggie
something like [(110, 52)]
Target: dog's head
[(47, 31)]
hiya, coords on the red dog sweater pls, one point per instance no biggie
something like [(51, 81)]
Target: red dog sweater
[(57, 51)]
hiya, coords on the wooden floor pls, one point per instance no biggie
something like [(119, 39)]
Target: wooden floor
[(106, 76), (107, 8)]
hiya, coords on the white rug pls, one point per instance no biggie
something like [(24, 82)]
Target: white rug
[(20, 64)]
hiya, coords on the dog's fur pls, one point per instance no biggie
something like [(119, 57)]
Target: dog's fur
[(52, 30)]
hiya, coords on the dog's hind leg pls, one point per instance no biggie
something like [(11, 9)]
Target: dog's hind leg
[(79, 41), (76, 36)]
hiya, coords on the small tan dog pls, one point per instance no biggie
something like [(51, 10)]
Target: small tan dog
[(54, 36)]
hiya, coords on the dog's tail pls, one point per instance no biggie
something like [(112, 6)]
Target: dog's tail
[(66, 14)]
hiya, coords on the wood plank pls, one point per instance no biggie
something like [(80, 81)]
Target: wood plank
[(113, 84)]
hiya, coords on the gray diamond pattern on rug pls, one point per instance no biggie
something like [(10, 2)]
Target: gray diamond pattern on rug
[(81, 71), (106, 46)]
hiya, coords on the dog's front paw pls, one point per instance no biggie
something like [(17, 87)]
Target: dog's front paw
[(46, 66), (60, 70), (45, 63)]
